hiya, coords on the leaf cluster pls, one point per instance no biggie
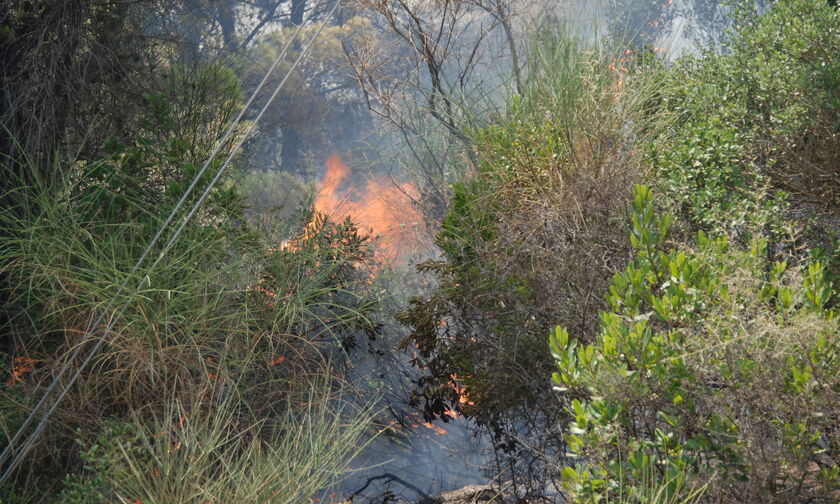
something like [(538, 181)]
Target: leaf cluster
[(710, 362)]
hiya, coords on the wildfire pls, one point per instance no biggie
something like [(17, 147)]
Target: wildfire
[(383, 208)]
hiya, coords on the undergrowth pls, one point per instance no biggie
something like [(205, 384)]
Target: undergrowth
[(532, 237), (217, 371), (710, 362)]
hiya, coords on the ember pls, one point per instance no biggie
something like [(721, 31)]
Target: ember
[(22, 366)]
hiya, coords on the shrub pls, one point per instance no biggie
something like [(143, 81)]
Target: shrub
[(541, 214), (710, 362), (317, 283), (756, 120)]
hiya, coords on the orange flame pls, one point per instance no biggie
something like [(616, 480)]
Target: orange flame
[(461, 390), (416, 424), (440, 431), (21, 366), (384, 208)]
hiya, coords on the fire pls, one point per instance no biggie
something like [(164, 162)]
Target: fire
[(416, 424), (440, 431), (461, 390), (22, 365), (383, 208)]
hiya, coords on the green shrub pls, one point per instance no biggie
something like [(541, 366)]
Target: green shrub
[(761, 118), (317, 282), (710, 362)]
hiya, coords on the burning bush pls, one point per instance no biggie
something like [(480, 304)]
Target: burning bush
[(315, 284), (225, 330)]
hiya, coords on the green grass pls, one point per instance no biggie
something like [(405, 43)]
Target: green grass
[(202, 452), (230, 329)]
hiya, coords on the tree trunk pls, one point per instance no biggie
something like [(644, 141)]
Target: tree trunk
[(227, 21), (298, 9)]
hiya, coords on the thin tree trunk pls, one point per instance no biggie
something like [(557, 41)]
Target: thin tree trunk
[(298, 9)]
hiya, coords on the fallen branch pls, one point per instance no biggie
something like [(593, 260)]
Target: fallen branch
[(425, 498)]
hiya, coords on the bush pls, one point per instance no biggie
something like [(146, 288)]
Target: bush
[(760, 119), (710, 362), (541, 214)]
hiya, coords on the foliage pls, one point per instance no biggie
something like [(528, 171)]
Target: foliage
[(710, 361), (100, 459), (317, 283), (542, 202), (131, 179), (541, 215), (203, 316), (754, 121), (200, 452)]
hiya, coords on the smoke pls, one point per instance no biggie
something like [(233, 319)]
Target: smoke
[(396, 165)]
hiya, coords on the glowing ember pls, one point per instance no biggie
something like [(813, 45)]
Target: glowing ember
[(440, 431), (416, 424), (22, 365), (384, 208), (278, 360)]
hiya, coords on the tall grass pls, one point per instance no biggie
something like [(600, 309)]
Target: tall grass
[(228, 331), (652, 490), (202, 453)]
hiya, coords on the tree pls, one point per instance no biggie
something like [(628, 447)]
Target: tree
[(320, 110), (439, 69)]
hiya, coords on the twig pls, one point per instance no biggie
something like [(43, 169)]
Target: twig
[(426, 498)]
